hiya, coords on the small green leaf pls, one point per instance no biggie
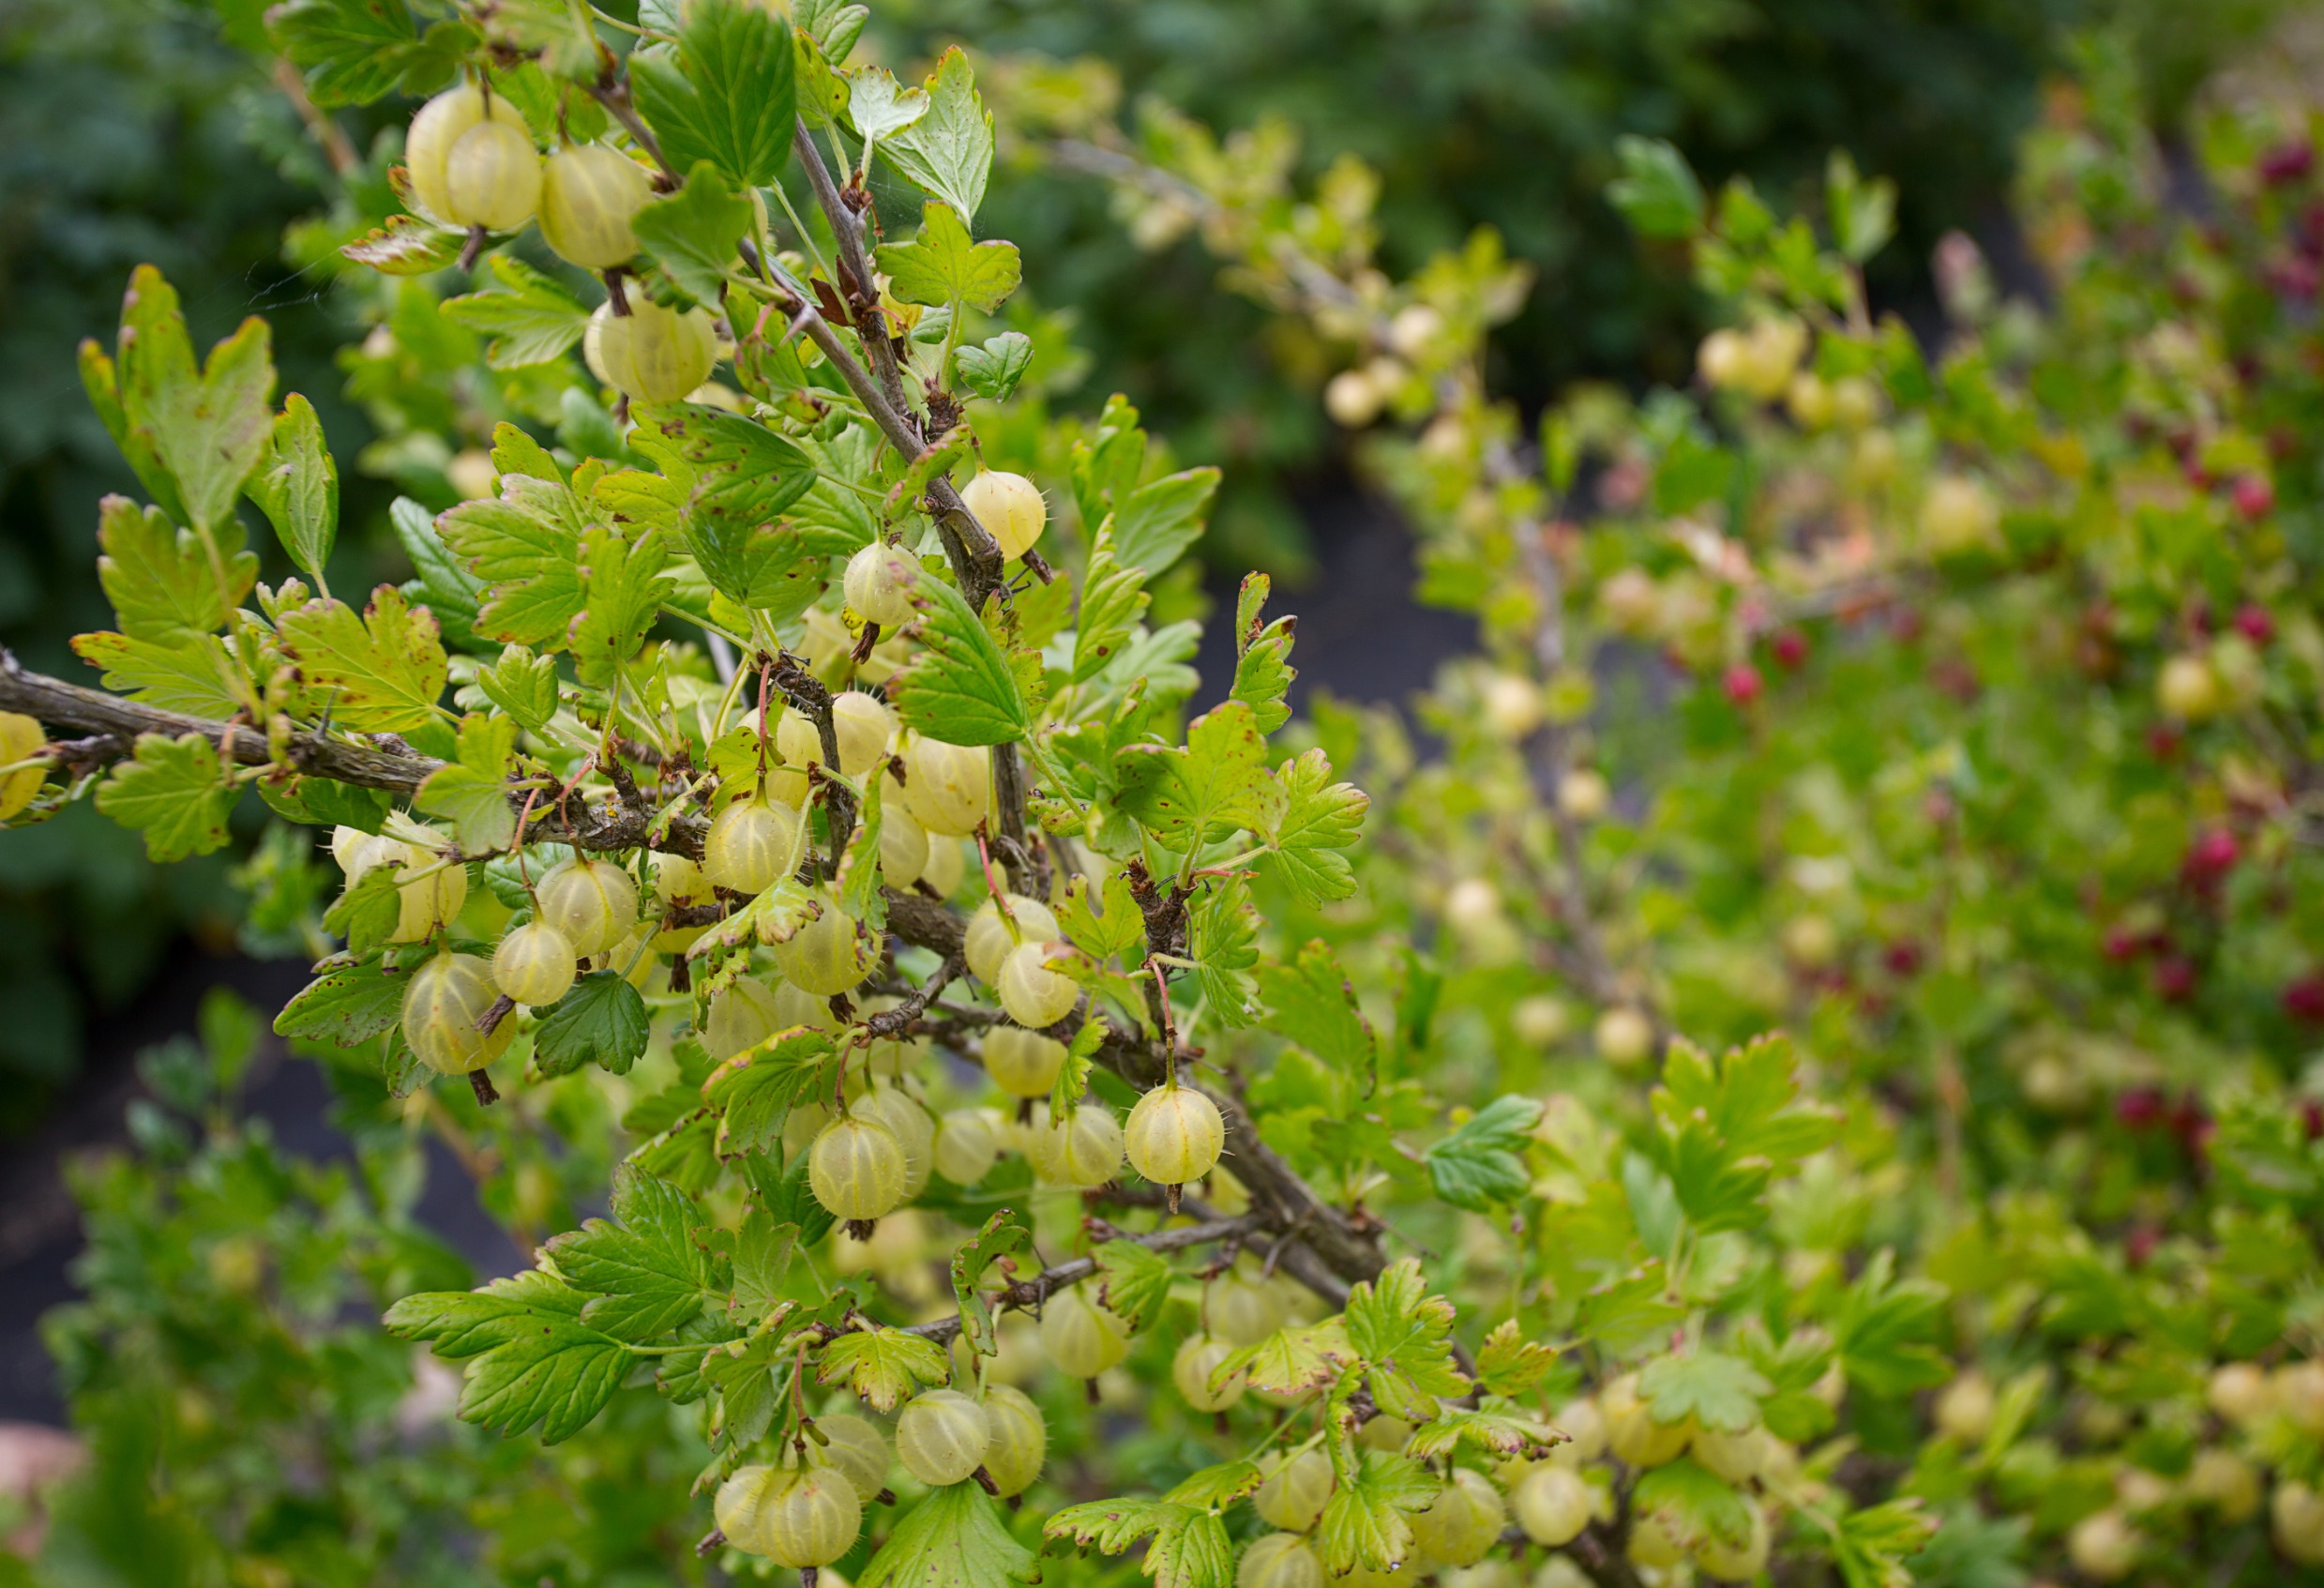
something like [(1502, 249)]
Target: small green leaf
[(1218, 784), (1187, 1545), (1656, 191), (530, 316), (1003, 1235), (159, 578), (193, 672), (208, 428), (884, 1367), (352, 50), (1211, 1487), (1134, 1283), (325, 802), (1113, 601), (1367, 1520), (880, 106), (472, 792), (1509, 1364), (1073, 1077), (958, 688), (1478, 1167), (405, 246), (1118, 931), (623, 590), (344, 1007), (296, 485), (525, 547), (1318, 819), (1162, 518), (647, 1270), (602, 1021), (173, 793), (993, 370), (1311, 1002), (1715, 1390), (943, 267), (695, 232), (381, 672), (755, 1091), (1404, 1336), (1222, 940), (523, 685), (443, 585)]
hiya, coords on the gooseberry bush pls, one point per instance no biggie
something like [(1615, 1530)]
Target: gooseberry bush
[(1039, 1128)]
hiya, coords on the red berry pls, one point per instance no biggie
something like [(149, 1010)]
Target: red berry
[(2192, 1124), (2141, 1108), (2295, 278), (2288, 161), (2254, 495), (1790, 648), (1743, 683), (2312, 1118), (2138, 1247), (1903, 957), (2163, 741), (2174, 978), (2254, 622), (2122, 943), (2211, 856), (2303, 999)]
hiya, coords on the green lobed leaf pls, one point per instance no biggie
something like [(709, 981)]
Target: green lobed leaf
[(531, 1358), (755, 1091), (1715, 1390), (1162, 519), (530, 316), (173, 793), (958, 688), (948, 151), (193, 672), (352, 51), (602, 1020), (1404, 1336), (1367, 1519), (1319, 817), (955, 1538), (624, 586), (1693, 1503), (1119, 929), (992, 370), (694, 233), (472, 792), (208, 428), (523, 685), (1478, 1166), (1510, 1363), (1656, 191), (646, 1268), (1186, 1545), (724, 94), (1003, 1235), (344, 1006), (524, 546), (1216, 785), (883, 1366), (160, 579), (1222, 941), (1309, 1002), (1134, 1283), (381, 672), (442, 585), (296, 485), (943, 267), (1114, 599)]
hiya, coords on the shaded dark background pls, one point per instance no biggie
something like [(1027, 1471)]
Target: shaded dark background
[(130, 132)]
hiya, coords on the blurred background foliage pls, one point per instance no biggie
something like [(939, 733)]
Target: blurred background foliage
[(131, 131)]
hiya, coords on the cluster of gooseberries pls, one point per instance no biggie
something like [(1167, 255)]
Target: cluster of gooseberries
[(806, 1512)]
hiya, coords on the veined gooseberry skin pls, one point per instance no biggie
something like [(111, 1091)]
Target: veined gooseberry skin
[(1082, 1151), (1293, 1496), (966, 1146), (796, 1005), (946, 861), (879, 583), (655, 355), (1552, 1504), (808, 1517), (429, 893), (826, 956), (1736, 1458), (903, 847), (991, 939), (1033, 994), (1010, 507), (20, 737), (678, 883), (1241, 1312), (857, 1451), (860, 721), (1584, 1428), (749, 844), (913, 1127), (856, 1167), (1464, 1521), (1174, 1135), (492, 177), (1198, 1357), (942, 1436), (589, 194), (534, 965), (441, 123), (742, 1014), (1279, 1560), (947, 788), (593, 902), (1020, 1440), (1081, 1338), (1023, 1063), (442, 1004)]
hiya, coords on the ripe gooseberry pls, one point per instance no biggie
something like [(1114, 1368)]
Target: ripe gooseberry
[(949, 787), (1023, 1063), (1198, 1357), (1463, 1521), (942, 1437), (1241, 1312), (593, 902), (807, 1516), (742, 1014), (1630, 1429), (1081, 1336), (913, 1127), (827, 955), (749, 845), (1020, 1440), (442, 122), (589, 195), (442, 1004), (990, 938), (1174, 1135), (491, 178), (879, 583), (1010, 507), (903, 848), (1552, 1504), (1083, 1150), (534, 965), (1033, 994), (856, 1168), (855, 1450), (966, 1146), (1278, 1560), (20, 737), (652, 353), (1624, 1036), (1293, 1496)]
